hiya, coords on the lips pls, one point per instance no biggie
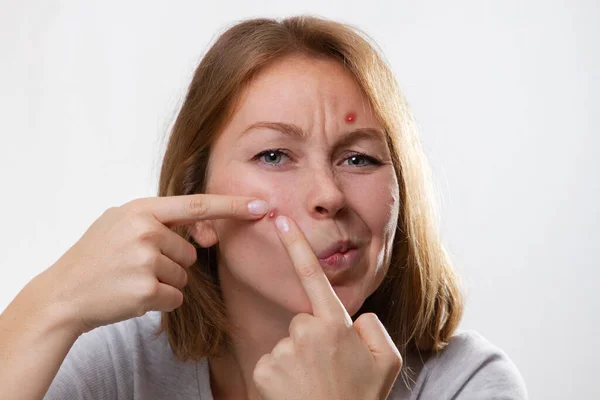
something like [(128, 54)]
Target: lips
[(341, 247)]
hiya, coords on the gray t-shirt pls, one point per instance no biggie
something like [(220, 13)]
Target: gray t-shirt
[(125, 361)]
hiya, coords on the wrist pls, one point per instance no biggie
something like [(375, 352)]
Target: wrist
[(48, 311)]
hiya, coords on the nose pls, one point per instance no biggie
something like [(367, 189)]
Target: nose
[(325, 198)]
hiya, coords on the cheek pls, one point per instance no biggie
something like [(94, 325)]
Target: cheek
[(379, 212), (252, 250), (275, 189), (376, 201), (253, 253)]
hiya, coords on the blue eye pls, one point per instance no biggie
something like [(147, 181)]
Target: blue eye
[(361, 160), (271, 157), (274, 158)]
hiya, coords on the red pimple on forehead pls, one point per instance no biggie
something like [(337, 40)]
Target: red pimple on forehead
[(351, 117)]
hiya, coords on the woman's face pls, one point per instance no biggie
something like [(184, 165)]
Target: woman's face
[(315, 176)]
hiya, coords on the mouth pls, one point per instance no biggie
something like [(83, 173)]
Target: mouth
[(342, 254)]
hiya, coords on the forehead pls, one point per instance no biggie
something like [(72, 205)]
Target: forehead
[(296, 87)]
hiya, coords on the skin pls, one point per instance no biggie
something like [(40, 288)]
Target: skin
[(326, 355), (127, 263), (327, 195)]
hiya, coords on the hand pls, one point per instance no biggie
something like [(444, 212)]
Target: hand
[(129, 262), (326, 356)]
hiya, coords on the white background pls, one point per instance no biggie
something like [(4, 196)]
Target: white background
[(506, 94)]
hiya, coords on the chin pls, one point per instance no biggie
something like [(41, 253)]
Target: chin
[(349, 296)]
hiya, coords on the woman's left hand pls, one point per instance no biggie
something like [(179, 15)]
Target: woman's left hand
[(326, 356)]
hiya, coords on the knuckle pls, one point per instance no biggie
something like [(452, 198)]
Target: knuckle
[(133, 206), (148, 290), (293, 241), (263, 370), (183, 277), (144, 231), (176, 302), (110, 211), (180, 300), (369, 318), (193, 255), (283, 349), (234, 207), (147, 234), (302, 336), (308, 338), (129, 215), (299, 320), (306, 271), (372, 316), (148, 257), (196, 207), (396, 362), (136, 223), (300, 328)]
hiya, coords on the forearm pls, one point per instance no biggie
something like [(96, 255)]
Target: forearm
[(35, 338)]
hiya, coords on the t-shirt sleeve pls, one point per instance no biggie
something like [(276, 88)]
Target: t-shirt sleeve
[(473, 368), (497, 378), (96, 367)]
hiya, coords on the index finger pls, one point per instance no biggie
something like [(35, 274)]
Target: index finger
[(323, 299), (187, 209)]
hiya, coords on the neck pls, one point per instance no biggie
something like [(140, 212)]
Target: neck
[(259, 325)]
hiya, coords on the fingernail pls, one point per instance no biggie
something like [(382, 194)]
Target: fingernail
[(282, 224), (257, 207)]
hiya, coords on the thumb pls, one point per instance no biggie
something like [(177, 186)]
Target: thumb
[(375, 336)]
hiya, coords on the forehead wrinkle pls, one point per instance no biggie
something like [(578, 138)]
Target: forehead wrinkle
[(361, 133), (296, 132), (291, 130)]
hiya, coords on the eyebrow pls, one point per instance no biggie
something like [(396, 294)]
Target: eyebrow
[(297, 133)]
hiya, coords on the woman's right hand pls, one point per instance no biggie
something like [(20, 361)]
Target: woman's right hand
[(130, 262)]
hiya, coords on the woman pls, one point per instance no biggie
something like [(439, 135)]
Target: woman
[(292, 251)]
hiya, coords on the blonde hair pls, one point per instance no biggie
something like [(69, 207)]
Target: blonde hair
[(419, 301)]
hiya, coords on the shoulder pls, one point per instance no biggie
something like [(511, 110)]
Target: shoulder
[(102, 363), (471, 367), (120, 341)]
